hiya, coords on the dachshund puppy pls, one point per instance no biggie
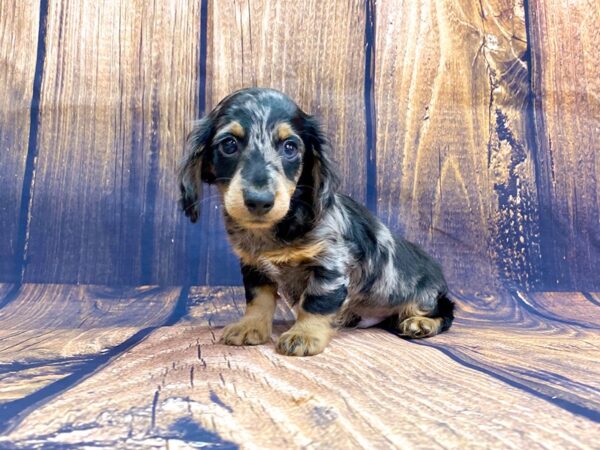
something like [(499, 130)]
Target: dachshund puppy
[(296, 235)]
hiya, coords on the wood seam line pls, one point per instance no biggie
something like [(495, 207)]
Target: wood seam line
[(591, 299), (12, 294), (567, 405), (463, 360), (370, 107), (15, 366), (547, 265), (540, 311), (195, 250), (12, 413), (203, 56), (32, 149)]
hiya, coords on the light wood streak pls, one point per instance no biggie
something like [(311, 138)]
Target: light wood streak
[(18, 41)]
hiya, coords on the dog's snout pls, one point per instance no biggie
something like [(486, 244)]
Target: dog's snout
[(259, 202)]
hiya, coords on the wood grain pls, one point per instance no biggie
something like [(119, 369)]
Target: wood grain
[(5, 289), (575, 306), (526, 339), (593, 297), (455, 168), (449, 101), (564, 41), (486, 383), (18, 39), (115, 103), (49, 331)]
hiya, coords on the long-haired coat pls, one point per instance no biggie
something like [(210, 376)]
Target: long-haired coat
[(297, 236)]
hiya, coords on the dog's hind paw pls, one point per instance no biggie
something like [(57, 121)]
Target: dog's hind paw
[(420, 327)]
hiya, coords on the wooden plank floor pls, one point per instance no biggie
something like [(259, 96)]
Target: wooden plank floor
[(142, 368)]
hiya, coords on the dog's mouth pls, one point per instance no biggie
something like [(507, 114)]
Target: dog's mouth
[(256, 224), (245, 219)]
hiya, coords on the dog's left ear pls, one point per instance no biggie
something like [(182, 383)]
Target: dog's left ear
[(325, 179), (196, 167)]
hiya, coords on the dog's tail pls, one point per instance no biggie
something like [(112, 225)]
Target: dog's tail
[(445, 311)]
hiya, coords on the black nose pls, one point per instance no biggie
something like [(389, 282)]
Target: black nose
[(258, 202)]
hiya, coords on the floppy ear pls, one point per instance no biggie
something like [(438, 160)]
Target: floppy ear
[(195, 167), (325, 179)]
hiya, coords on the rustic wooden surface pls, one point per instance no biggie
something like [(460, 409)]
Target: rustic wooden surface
[(506, 375), (115, 103), (455, 170), (18, 36), (49, 332), (566, 82), (472, 127)]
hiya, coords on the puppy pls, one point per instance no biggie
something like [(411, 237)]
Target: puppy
[(297, 236)]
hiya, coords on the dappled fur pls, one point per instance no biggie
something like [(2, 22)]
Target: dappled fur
[(328, 256)]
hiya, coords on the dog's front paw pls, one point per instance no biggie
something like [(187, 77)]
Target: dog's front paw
[(298, 343), (247, 331)]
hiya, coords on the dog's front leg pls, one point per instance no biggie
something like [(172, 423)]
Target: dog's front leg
[(324, 295), (256, 325)]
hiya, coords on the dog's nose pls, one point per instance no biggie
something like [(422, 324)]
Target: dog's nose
[(259, 202)]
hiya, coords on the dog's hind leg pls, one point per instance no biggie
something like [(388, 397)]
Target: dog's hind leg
[(418, 321)]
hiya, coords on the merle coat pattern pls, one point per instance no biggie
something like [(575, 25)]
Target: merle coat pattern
[(297, 236)]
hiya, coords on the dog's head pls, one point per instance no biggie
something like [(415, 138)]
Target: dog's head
[(268, 158)]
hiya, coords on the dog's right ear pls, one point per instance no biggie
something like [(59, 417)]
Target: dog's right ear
[(196, 167)]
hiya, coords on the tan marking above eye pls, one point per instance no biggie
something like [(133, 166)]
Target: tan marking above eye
[(284, 131), (234, 128)]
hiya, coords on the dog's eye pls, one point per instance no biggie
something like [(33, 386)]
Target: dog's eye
[(290, 149), (229, 146)]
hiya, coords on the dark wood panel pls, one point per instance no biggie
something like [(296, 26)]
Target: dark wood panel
[(485, 381), (312, 51), (455, 169), (6, 292), (566, 80), (120, 85), (19, 22)]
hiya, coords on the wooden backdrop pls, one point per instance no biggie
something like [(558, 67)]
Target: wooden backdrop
[(471, 127)]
